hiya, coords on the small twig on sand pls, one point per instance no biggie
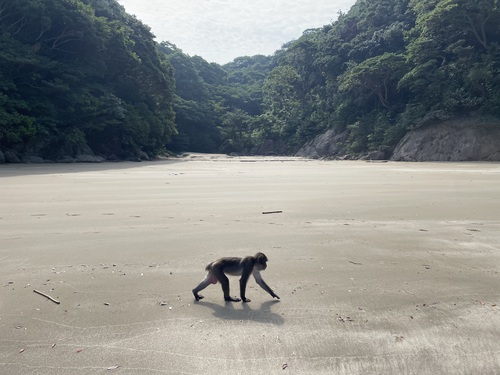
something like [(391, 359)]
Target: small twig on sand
[(271, 212), (46, 296), (357, 264)]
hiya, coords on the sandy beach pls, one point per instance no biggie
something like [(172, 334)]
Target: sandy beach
[(382, 268)]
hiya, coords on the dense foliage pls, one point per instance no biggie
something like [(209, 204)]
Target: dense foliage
[(385, 67), (78, 72), (216, 107)]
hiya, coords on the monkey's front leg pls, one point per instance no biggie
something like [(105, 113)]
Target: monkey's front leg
[(231, 299), (224, 281)]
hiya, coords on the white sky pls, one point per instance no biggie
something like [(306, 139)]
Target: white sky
[(221, 30)]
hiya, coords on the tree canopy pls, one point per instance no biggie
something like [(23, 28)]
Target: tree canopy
[(79, 72)]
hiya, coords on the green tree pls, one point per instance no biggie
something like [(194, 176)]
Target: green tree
[(452, 49), (377, 76), (236, 132), (280, 98)]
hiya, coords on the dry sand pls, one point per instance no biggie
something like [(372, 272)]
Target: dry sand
[(382, 268)]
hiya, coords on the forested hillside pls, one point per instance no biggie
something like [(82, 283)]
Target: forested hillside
[(217, 108), (383, 68), (388, 66), (83, 72)]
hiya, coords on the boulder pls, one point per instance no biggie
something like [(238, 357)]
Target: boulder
[(84, 149), (142, 155), (86, 158), (466, 139), (32, 159), (272, 147), (12, 157), (326, 145), (66, 159), (375, 155), (266, 148)]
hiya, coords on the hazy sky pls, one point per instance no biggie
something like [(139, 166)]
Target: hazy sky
[(220, 30)]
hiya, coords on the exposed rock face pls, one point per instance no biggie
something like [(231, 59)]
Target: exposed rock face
[(86, 158), (33, 159), (454, 140), (267, 148), (270, 147), (142, 155), (12, 157), (467, 139), (328, 144), (375, 155)]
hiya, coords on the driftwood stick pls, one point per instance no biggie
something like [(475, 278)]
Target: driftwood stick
[(46, 296), (271, 212)]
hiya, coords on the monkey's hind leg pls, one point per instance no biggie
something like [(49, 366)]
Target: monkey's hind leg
[(224, 281), (209, 279)]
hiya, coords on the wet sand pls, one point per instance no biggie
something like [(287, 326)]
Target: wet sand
[(382, 268)]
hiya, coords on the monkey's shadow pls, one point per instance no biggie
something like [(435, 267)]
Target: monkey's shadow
[(229, 311)]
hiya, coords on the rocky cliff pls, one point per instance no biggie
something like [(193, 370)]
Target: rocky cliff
[(465, 139), (330, 145), (326, 145)]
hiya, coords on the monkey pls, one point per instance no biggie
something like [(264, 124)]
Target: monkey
[(218, 269)]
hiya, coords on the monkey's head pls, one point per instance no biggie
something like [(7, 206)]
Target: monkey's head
[(260, 261)]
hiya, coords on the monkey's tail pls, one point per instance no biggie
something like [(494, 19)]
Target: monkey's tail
[(209, 265)]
